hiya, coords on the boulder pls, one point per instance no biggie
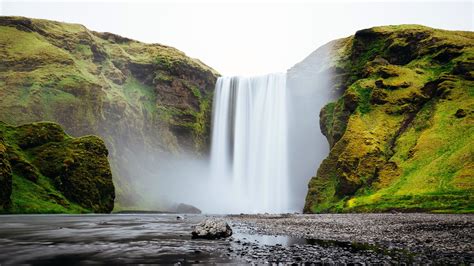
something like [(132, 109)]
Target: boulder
[(52, 170), (212, 229), (186, 208)]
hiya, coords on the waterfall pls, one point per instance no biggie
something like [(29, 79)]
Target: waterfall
[(249, 144)]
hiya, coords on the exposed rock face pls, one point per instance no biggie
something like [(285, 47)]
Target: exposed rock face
[(144, 100), (212, 229), (398, 138), (46, 171)]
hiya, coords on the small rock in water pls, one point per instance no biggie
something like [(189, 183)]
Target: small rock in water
[(212, 229)]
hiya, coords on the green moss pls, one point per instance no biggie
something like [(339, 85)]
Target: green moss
[(201, 127), (40, 197), (5, 176), (55, 173), (30, 46), (364, 99), (370, 51), (423, 119), (140, 95), (165, 61), (328, 187), (104, 84), (162, 78), (83, 50), (421, 152)]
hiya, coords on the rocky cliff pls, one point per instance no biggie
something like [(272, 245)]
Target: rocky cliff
[(43, 170), (144, 100), (401, 128)]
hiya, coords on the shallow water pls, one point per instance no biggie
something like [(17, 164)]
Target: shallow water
[(117, 238), (164, 239)]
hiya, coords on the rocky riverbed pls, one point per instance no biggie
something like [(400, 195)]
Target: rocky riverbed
[(357, 238), (166, 238)]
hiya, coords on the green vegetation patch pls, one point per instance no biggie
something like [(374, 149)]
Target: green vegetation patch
[(408, 142), (52, 172)]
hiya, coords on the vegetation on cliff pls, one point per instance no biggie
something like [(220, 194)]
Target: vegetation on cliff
[(43, 170), (402, 131), (140, 98)]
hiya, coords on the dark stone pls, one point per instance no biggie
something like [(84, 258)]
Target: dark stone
[(464, 69), (186, 208), (378, 97), (460, 113), (404, 52), (447, 55), (379, 84), (405, 84), (401, 54), (351, 101)]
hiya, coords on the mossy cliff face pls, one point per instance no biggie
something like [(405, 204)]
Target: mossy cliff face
[(140, 98), (43, 170), (5, 177), (402, 130)]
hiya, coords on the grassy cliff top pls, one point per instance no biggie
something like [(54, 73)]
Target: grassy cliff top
[(66, 35)]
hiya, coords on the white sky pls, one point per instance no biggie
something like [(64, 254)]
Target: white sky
[(245, 38)]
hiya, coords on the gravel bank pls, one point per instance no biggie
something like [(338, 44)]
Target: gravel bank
[(346, 238)]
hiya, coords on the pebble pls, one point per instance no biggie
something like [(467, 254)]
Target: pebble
[(399, 238)]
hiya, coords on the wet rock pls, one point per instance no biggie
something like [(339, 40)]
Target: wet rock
[(212, 229), (350, 241)]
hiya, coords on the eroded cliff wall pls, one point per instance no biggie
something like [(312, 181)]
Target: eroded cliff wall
[(144, 100)]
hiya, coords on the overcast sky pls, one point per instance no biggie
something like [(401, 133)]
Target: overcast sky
[(246, 38)]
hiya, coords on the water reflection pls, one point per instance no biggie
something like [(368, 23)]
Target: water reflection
[(269, 240)]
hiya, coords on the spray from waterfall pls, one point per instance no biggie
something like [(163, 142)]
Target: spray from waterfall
[(249, 143), (266, 145)]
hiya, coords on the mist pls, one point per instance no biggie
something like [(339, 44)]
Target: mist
[(242, 181)]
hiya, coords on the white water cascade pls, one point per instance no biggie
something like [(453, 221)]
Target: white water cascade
[(249, 144)]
